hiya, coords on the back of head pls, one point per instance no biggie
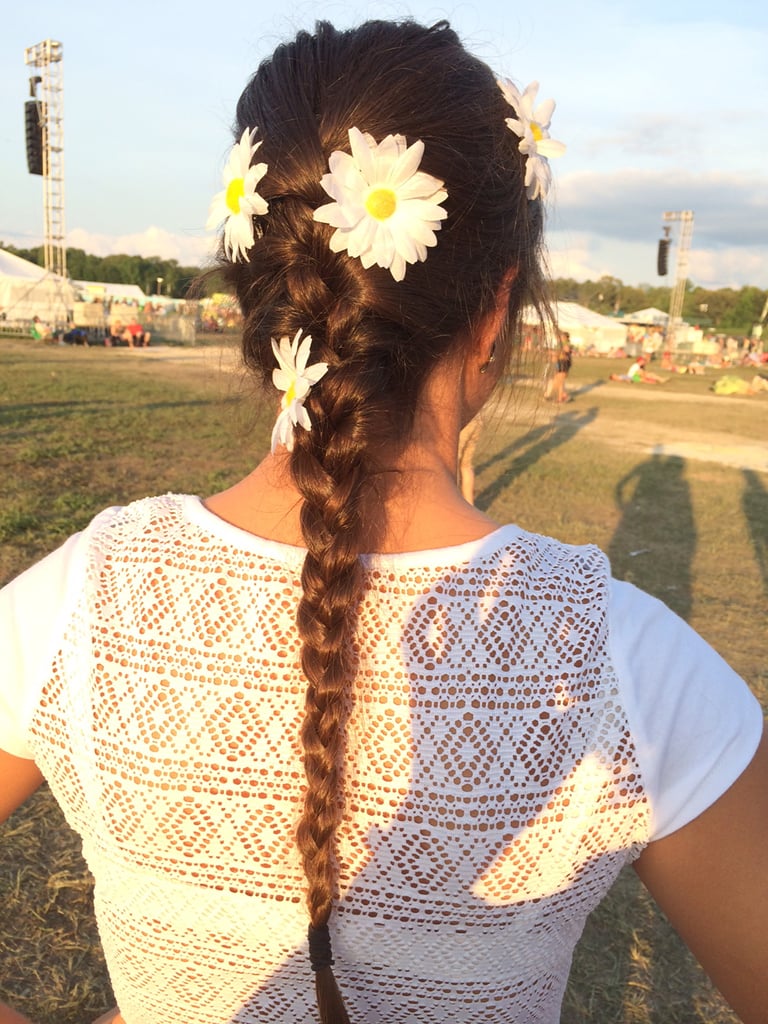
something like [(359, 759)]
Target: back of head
[(379, 336), (384, 79)]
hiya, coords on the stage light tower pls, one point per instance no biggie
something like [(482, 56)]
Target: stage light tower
[(46, 62), (681, 272)]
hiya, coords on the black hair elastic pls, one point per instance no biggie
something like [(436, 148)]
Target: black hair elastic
[(320, 954)]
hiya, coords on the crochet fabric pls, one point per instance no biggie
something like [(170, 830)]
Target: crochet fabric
[(493, 791)]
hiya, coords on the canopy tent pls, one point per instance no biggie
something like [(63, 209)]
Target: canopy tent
[(587, 329), (28, 291), (650, 317), (107, 291)]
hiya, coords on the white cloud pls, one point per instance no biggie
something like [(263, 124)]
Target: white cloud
[(188, 250), (729, 268), (586, 256), (730, 209)]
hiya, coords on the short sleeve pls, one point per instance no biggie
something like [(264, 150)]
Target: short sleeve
[(31, 612), (695, 722), (34, 609)]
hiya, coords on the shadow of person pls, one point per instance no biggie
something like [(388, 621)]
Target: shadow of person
[(533, 445), (654, 544), (754, 501)]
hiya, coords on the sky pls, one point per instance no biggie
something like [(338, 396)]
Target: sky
[(661, 106)]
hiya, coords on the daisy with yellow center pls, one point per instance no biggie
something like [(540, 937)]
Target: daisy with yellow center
[(295, 378), (385, 210), (532, 127), (238, 203)]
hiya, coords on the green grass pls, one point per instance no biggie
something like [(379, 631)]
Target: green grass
[(81, 429)]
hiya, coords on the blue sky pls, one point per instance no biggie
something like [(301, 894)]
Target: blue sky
[(661, 104)]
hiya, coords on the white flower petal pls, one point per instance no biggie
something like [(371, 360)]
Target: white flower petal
[(238, 236), (301, 416), (515, 126), (543, 113), (218, 211), (282, 379), (550, 148), (421, 209), (301, 389), (316, 372), (294, 378), (406, 165), (397, 268), (402, 237), (536, 144), (302, 352), (362, 153), (238, 226), (282, 432)]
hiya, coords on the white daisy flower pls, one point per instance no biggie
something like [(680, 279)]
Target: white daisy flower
[(385, 210), (532, 127), (239, 201), (295, 378)]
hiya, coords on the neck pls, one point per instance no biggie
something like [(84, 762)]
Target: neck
[(421, 504)]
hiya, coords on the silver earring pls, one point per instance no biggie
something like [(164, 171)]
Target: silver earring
[(491, 359)]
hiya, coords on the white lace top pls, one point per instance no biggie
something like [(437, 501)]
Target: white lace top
[(522, 727)]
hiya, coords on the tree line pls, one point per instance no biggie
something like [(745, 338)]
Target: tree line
[(730, 310), (727, 310), (152, 274)]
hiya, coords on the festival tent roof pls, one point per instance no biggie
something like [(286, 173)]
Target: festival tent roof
[(14, 266), (586, 328), (27, 290), (650, 317), (112, 292)]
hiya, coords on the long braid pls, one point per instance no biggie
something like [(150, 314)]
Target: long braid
[(331, 469), (380, 338)]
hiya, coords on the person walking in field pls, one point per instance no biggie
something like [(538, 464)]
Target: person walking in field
[(556, 389)]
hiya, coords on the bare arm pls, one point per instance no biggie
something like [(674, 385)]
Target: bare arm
[(20, 779), (10, 1016), (711, 879)]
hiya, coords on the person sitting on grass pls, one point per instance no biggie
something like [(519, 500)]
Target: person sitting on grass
[(41, 331), (135, 336), (637, 374)]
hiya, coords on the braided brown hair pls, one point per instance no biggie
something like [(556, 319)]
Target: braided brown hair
[(380, 338)]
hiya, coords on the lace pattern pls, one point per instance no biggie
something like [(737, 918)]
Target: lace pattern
[(493, 790)]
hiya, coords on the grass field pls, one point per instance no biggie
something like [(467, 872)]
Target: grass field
[(671, 481)]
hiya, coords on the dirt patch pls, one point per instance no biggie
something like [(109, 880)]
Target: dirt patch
[(649, 438)]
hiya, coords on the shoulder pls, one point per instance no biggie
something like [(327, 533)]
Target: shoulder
[(547, 559), (151, 516), (64, 571)]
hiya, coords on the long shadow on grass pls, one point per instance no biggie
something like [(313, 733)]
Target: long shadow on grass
[(754, 501), (586, 388), (536, 443), (655, 542), (15, 415)]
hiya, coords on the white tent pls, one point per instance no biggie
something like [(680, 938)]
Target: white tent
[(27, 291), (111, 292), (650, 317), (587, 329)]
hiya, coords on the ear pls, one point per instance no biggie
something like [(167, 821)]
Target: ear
[(480, 371), (492, 323)]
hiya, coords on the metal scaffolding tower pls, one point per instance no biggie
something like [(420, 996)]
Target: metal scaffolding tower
[(681, 273), (46, 61)]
